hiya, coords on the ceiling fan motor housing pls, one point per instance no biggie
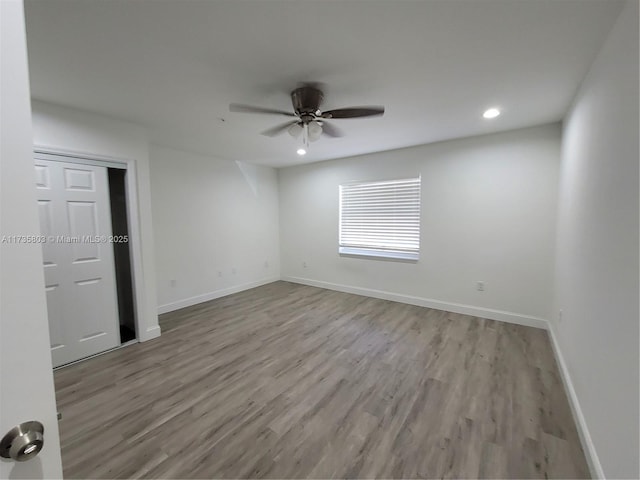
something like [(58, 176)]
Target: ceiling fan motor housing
[(306, 101)]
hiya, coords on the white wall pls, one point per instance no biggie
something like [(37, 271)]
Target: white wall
[(488, 214), (597, 252), (67, 129), (212, 218), (27, 391)]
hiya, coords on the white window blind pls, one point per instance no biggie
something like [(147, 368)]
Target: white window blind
[(381, 219)]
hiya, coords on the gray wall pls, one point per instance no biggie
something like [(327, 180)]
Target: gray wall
[(488, 214), (215, 224), (597, 254)]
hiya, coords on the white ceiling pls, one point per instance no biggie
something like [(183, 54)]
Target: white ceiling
[(174, 66)]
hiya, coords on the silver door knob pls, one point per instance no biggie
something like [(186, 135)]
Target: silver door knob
[(23, 442)]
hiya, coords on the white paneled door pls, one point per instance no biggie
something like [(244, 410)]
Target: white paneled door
[(75, 222)]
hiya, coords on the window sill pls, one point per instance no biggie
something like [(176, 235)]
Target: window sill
[(378, 254)]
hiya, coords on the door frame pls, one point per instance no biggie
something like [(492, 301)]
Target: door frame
[(42, 152)]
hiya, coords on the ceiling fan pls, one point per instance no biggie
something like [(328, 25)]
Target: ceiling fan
[(309, 120)]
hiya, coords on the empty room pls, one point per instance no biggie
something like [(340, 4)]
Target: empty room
[(319, 239)]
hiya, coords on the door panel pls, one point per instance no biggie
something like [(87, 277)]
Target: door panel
[(83, 224), (77, 179), (42, 177), (26, 390), (51, 261), (49, 253), (55, 309), (77, 259)]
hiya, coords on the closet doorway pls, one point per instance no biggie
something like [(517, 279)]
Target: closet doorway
[(86, 258)]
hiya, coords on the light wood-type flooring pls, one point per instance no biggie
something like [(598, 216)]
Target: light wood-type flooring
[(291, 381)]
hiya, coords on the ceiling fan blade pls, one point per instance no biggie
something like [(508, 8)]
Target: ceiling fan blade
[(354, 112), (278, 129), (330, 130), (240, 107)]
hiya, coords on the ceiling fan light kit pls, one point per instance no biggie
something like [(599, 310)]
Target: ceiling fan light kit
[(314, 130), (311, 121), (295, 130)]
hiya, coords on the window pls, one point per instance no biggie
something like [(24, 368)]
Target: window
[(381, 219)]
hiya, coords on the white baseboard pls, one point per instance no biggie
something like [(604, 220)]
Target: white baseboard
[(588, 447), (491, 314), (150, 333), (205, 297)]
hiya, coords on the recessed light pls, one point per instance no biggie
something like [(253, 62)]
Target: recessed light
[(301, 151), (491, 113)]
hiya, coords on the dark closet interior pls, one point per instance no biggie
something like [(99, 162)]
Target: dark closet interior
[(122, 256)]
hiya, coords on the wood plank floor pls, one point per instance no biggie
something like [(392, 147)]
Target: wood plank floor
[(290, 381)]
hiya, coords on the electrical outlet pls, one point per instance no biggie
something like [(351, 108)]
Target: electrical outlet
[(480, 286), (560, 316), (304, 264), (172, 283), (219, 273)]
